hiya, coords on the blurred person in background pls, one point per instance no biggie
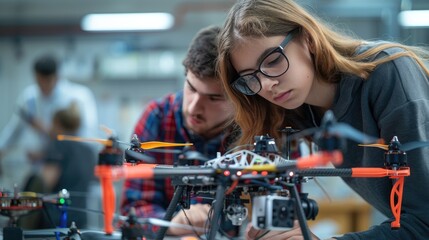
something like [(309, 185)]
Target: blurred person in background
[(28, 128), (65, 165), (198, 114)]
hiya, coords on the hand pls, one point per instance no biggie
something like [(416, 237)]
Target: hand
[(293, 234), (38, 126), (197, 215)]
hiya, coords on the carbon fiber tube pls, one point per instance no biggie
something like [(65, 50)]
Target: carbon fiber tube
[(325, 172)]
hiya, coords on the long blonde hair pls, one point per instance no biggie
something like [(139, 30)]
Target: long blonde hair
[(334, 54)]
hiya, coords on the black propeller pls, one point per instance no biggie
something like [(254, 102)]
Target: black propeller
[(395, 145), (330, 126), (191, 155), (137, 157)]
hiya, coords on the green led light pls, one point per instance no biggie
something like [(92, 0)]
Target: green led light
[(62, 201)]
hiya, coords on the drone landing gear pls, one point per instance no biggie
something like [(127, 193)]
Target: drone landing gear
[(299, 211), (178, 192), (217, 209)]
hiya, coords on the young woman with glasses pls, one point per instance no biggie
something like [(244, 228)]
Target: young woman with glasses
[(283, 67)]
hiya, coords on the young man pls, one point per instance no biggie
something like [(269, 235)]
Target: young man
[(198, 114)]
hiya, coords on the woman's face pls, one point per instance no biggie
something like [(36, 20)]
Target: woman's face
[(292, 88)]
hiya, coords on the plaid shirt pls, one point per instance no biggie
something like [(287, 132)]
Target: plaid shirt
[(162, 121)]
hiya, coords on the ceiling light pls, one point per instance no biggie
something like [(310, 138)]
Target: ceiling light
[(127, 21), (414, 18)]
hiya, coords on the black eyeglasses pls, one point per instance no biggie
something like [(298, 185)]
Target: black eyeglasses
[(273, 64)]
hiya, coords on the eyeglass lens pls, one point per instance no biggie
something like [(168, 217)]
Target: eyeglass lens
[(274, 64)]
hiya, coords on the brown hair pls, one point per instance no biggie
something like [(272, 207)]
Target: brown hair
[(68, 119), (334, 54), (202, 53)]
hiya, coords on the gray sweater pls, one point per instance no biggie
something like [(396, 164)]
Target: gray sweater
[(393, 101)]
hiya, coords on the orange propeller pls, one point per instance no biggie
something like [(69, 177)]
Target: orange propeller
[(378, 145), (155, 144), (109, 142), (79, 139), (395, 145)]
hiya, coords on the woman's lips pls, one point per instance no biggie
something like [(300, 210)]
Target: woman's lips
[(283, 96)]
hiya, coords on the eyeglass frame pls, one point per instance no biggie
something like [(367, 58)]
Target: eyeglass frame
[(279, 49)]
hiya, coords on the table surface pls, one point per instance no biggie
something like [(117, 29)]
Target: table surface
[(48, 234)]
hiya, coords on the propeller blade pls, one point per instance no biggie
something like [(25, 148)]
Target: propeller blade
[(130, 154), (194, 155), (304, 133), (107, 130), (155, 144), (377, 145), (176, 151), (413, 145), (343, 129), (80, 139)]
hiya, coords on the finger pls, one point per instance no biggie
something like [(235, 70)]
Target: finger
[(296, 224), (252, 233)]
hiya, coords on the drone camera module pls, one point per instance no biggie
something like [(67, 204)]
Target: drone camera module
[(273, 212), (278, 212)]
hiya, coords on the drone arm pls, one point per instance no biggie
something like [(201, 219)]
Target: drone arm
[(380, 172), (143, 171), (318, 159), (397, 189)]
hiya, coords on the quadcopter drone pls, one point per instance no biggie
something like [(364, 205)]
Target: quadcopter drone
[(260, 170)]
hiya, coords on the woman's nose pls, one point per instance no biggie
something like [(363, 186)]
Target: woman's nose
[(268, 83)]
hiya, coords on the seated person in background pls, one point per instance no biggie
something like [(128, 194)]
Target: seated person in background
[(66, 165), (198, 114)]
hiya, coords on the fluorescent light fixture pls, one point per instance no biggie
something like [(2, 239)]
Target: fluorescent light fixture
[(414, 18), (127, 21)]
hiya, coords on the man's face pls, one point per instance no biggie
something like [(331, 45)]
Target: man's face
[(205, 106), (46, 83)]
